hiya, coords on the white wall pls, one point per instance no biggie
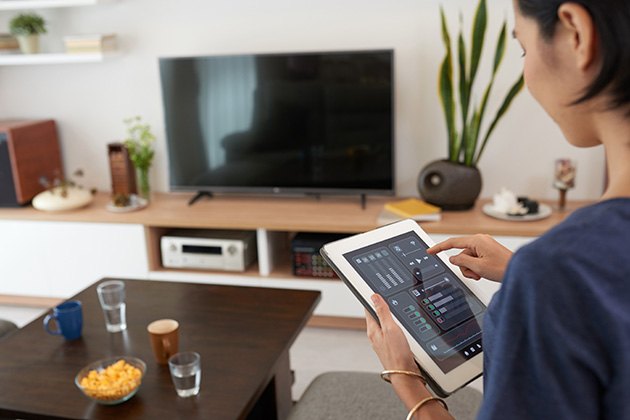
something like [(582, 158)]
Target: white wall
[(89, 101)]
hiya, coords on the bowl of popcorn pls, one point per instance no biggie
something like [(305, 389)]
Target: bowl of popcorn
[(112, 380)]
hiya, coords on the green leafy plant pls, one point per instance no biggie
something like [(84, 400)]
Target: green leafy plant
[(27, 24), (139, 142), (463, 143)]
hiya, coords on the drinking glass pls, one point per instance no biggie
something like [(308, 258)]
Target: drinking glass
[(111, 294), (185, 370)]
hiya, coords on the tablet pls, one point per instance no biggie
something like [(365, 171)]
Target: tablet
[(440, 312)]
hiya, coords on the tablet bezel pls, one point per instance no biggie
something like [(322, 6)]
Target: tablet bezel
[(442, 383)]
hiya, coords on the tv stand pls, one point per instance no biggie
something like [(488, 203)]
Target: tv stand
[(132, 243), (199, 195)]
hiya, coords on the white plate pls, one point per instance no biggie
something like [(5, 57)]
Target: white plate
[(543, 211), (135, 203)]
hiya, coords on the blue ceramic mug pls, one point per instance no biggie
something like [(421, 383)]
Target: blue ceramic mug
[(69, 319)]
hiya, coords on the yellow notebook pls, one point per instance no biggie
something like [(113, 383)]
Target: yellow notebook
[(415, 209)]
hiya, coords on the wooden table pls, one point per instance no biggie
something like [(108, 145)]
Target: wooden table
[(243, 335)]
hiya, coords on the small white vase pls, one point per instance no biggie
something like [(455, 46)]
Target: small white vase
[(29, 44)]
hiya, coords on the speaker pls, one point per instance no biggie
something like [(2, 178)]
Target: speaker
[(29, 152)]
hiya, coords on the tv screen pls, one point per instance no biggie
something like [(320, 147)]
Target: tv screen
[(317, 123)]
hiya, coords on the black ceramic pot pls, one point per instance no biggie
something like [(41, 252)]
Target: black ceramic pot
[(449, 185)]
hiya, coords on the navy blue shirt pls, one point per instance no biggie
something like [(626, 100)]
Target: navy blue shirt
[(557, 333)]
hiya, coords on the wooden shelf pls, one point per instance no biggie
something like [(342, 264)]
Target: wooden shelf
[(44, 4), (60, 58), (275, 218), (284, 214)]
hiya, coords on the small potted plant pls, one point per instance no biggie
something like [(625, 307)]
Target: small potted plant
[(139, 143), (27, 27), (455, 183)]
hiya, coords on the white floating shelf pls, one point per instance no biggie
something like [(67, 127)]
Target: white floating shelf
[(43, 4), (25, 59)]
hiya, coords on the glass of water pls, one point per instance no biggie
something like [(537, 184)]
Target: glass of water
[(185, 370), (111, 294)]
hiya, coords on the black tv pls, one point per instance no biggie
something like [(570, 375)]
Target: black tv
[(305, 123)]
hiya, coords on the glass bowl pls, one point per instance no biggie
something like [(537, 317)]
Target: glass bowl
[(112, 380)]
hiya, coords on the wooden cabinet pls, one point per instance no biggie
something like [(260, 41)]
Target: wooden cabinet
[(85, 244)]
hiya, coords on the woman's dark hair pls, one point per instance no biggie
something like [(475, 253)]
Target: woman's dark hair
[(612, 21)]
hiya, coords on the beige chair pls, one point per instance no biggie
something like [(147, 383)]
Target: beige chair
[(365, 396)]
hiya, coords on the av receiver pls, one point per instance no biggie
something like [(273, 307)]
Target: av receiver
[(223, 250)]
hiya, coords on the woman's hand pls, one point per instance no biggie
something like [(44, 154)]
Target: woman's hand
[(482, 256), (392, 348), (388, 340)]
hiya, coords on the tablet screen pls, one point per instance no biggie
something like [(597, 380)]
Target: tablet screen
[(435, 306)]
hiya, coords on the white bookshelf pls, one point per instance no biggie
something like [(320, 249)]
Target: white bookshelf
[(61, 58), (43, 4)]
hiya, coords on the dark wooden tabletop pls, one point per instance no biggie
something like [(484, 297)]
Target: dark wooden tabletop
[(241, 333)]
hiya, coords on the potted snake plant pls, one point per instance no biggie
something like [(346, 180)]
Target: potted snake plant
[(455, 183)]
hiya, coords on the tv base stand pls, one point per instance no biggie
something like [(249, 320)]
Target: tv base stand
[(199, 195)]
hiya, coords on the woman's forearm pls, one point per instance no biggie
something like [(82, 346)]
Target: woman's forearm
[(411, 391)]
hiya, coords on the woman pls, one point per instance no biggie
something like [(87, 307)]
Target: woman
[(557, 334)]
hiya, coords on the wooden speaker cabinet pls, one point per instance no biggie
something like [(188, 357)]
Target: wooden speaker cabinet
[(122, 169), (29, 151)]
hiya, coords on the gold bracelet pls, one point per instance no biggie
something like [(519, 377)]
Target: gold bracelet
[(423, 402), (404, 372)]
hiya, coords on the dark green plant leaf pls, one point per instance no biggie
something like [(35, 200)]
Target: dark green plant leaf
[(446, 88), (478, 35), (500, 51), (516, 88), (482, 110), (464, 89), (445, 34), (471, 142), (448, 104)]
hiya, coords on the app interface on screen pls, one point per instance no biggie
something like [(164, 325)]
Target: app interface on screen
[(425, 295)]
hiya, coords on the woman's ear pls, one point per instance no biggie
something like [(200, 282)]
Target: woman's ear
[(580, 31)]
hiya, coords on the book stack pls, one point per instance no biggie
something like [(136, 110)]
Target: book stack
[(411, 208), (98, 43), (8, 44)]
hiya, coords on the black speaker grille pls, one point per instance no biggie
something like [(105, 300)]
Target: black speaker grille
[(8, 197)]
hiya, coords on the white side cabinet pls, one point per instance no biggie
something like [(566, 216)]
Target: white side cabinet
[(59, 259)]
